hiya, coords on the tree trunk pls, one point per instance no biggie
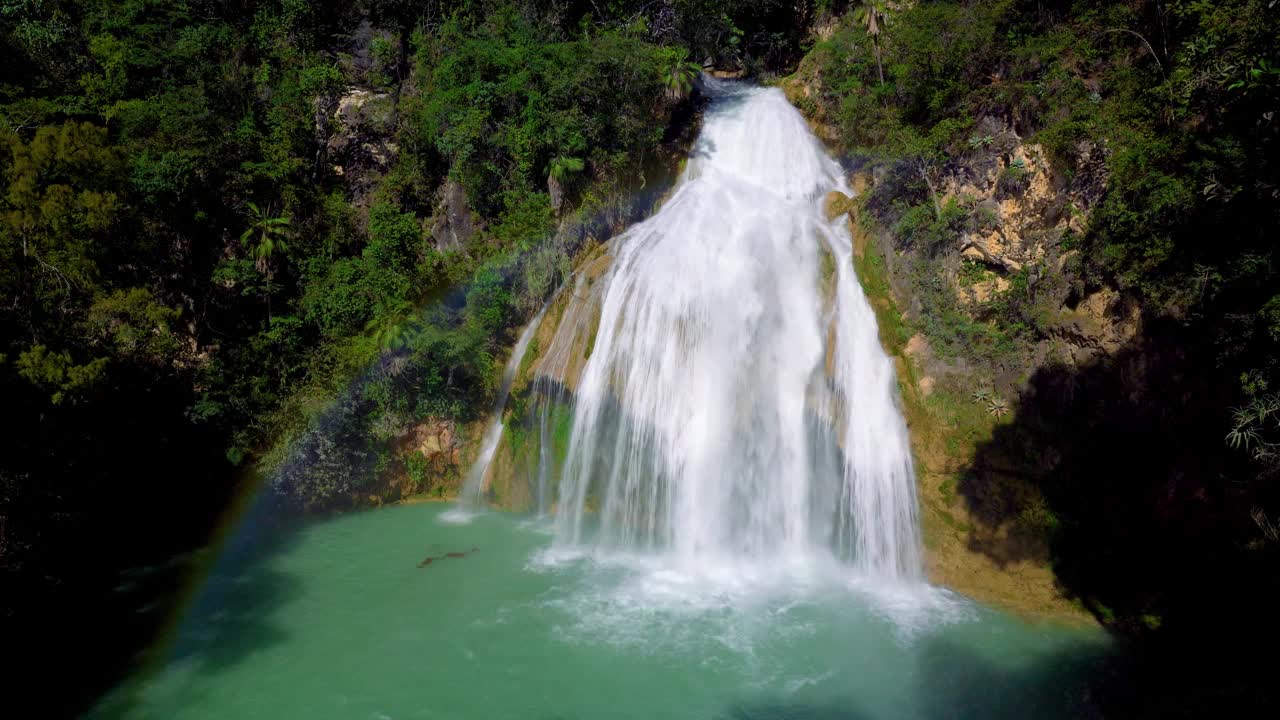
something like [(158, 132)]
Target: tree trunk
[(933, 193), (875, 42), (556, 191)]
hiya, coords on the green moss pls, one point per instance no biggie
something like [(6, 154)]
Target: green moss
[(948, 490), (968, 423), (873, 275), (561, 431), (826, 271), (531, 355)]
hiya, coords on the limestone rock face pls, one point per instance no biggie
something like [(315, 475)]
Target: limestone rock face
[(801, 89), (569, 338), (1020, 213), (1021, 207), (836, 204), (1101, 324), (542, 390), (437, 443), (453, 223), (357, 129), (436, 440)]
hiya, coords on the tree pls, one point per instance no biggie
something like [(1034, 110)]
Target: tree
[(271, 233), (678, 73), (392, 324), (562, 167), (57, 208), (873, 15)]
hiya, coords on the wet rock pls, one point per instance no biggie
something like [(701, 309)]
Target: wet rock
[(836, 204)]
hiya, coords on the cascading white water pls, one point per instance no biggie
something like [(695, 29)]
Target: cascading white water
[(472, 486), (731, 407)]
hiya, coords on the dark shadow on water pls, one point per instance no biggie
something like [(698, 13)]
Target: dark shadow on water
[(953, 682), (956, 682), (231, 616), (230, 613)]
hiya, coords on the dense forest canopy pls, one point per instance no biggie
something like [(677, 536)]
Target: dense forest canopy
[(200, 255), (220, 216)]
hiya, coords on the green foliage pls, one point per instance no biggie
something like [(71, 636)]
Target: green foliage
[(135, 325), (921, 226), (502, 104), (562, 168), (55, 372), (1013, 179), (320, 79), (416, 466), (186, 284), (58, 206), (395, 239), (1177, 109), (265, 237), (972, 272), (525, 220), (873, 275), (1255, 427), (678, 72)]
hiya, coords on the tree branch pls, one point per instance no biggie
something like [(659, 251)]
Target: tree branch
[(1138, 35)]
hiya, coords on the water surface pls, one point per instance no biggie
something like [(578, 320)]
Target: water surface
[(337, 620)]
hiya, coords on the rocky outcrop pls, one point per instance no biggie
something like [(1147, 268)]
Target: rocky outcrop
[(1020, 216), (570, 336), (1098, 326), (556, 191), (437, 442), (1021, 207), (453, 224), (803, 89), (431, 458), (1005, 238), (836, 204), (357, 128)]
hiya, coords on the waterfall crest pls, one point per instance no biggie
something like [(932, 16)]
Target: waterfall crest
[(736, 402)]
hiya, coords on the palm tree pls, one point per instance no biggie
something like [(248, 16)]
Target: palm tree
[(678, 73), (392, 324), (874, 16), (271, 233)]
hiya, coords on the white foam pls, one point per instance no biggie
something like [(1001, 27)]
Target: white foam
[(458, 515)]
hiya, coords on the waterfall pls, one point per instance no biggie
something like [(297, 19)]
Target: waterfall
[(736, 402), (474, 483)]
